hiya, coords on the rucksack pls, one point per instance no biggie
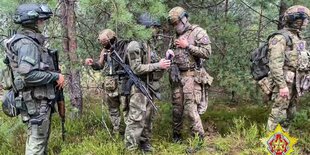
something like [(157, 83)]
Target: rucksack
[(7, 77), (259, 57)]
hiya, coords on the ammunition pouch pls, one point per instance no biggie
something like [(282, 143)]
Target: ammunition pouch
[(29, 102), (46, 92)]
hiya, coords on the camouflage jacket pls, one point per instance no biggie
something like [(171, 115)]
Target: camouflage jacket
[(144, 63), (284, 61)]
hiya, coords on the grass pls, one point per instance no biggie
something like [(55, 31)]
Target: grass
[(232, 129)]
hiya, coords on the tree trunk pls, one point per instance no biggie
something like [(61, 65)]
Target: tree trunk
[(282, 9), (70, 48)]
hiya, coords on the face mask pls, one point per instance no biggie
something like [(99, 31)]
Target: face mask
[(181, 26), (304, 24)]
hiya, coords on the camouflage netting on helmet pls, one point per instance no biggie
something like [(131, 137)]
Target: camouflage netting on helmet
[(106, 34), (176, 14), (294, 13)]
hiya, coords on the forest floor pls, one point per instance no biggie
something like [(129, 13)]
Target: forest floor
[(232, 128)]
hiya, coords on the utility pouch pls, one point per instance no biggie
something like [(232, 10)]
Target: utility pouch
[(305, 83), (19, 103), (29, 102), (289, 76), (19, 83), (40, 92), (202, 76), (266, 85), (110, 83)]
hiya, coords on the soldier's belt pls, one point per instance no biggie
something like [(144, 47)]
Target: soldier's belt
[(289, 68), (188, 73)]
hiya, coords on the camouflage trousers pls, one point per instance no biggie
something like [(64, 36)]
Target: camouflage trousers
[(185, 100), (283, 110), (38, 133), (138, 121), (115, 104)]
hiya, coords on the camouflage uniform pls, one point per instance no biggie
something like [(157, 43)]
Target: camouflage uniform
[(34, 76), (113, 90), (187, 87), (140, 114), (115, 79), (287, 69)]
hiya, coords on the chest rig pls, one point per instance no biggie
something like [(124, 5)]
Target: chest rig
[(297, 57), (183, 59)]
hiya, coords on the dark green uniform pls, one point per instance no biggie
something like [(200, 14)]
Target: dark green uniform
[(35, 76)]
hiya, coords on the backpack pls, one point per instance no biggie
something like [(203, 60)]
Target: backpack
[(259, 57), (7, 77)]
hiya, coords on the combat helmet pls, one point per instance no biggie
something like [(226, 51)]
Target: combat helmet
[(32, 12), (106, 34), (176, 14), (148, 21), (294, 13)]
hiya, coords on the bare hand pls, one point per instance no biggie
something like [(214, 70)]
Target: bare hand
[(284, 92), (169, 54), (164, 64), (181, 43), (89, 61), (60, 81)]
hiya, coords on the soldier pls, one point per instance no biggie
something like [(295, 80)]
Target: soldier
[(187, 74), (146, 65), (115, 77), (34, 75), (288, 67)]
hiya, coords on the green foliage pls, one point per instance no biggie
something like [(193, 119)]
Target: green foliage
[(87, 135)]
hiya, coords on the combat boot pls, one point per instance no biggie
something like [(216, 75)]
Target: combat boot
[(146, 146), (177, 137)]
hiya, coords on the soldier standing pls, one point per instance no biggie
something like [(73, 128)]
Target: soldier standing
[(288, 67), (34, 75), (148, 67), (187, 74), (115, 77)]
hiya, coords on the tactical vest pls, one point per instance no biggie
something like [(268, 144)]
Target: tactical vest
[(297, 58), (30, 98), (182, 57)]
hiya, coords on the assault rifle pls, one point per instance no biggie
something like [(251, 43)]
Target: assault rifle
[(59, 97), (133, 78)]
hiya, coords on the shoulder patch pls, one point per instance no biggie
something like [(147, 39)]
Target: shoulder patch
[(205, 40), (274, 41)]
